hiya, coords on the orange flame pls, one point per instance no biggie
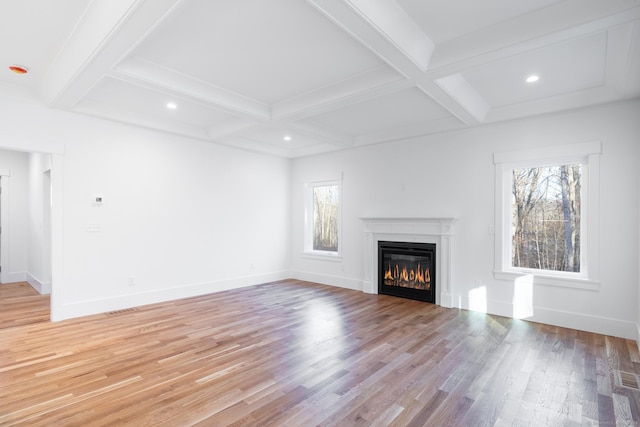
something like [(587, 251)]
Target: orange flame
[(417, 277)]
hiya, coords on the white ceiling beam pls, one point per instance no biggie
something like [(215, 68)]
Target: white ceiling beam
[(105, 34), (393, 22), (354, 22), (459, 89)]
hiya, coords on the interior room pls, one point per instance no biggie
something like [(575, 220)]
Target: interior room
[(157, 151)]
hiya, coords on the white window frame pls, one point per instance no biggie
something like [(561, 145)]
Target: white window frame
[(588, 156), (309, 252)]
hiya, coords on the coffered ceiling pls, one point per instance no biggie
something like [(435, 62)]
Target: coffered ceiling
[(325, 74)]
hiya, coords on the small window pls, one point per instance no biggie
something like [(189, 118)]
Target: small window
[(547, 207), (322, 218)]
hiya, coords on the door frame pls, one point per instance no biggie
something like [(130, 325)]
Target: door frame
[(4, 222)]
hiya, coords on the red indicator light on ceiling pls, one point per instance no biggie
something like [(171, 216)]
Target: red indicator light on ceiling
[(18, 69)]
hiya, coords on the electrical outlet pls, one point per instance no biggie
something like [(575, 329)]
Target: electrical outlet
[(132, 280)]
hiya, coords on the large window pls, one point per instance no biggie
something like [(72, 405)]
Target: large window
[(322, 218), (547, 214), (546, 210)]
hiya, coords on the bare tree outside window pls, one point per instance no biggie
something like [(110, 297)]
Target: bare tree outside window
[(546, 218), (325, 218)]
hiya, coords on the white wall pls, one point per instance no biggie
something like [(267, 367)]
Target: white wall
[(452, 175), (39, 272), (180, 217), (15, 236)]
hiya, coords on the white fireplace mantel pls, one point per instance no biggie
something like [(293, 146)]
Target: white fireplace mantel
[(418, 230)]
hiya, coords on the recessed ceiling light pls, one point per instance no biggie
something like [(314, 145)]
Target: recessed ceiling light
[(19, 69), (533, 78), (171, 106), (287, 138)]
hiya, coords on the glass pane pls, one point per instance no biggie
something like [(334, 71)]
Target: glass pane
[(546, 218), (325, 218)]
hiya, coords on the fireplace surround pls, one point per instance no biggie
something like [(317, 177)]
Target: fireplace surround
[(438, 231)]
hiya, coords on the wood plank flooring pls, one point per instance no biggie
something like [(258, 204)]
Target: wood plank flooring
[(294, 353), (20, 304)]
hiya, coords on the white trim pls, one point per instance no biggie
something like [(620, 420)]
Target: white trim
[(546, 154), (540, 279), (324, 279), (584, 322), (322, 256), (57, 235), (121, 302), (638, 335), (4, 224), (14, 276), (588, 154), (42, 287), (565, 319)]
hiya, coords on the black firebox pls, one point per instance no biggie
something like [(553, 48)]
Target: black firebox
[(408, 270)]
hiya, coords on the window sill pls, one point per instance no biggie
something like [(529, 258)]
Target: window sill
[(322, 256), (548, 280)]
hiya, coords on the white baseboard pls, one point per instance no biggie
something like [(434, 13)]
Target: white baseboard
[(42, 287), (341, 282), (121, 302), (583, 322), (13, 277), (638, 335)]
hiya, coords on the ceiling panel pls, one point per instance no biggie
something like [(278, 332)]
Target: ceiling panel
[(137, 99), (447, 20), (275, 136), (563, 68), (404, 108), (32, 32), (267, 51)]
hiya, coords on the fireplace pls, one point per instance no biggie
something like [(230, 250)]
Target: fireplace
[(436, 230), (407, 269)]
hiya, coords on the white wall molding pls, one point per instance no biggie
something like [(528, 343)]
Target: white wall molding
[(4, 224), (43, 288), (121, 302), (585, 322), (324, 279), (14, 276), (564, 319)]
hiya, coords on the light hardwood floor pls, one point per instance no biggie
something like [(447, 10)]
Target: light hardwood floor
[(294, 353)]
